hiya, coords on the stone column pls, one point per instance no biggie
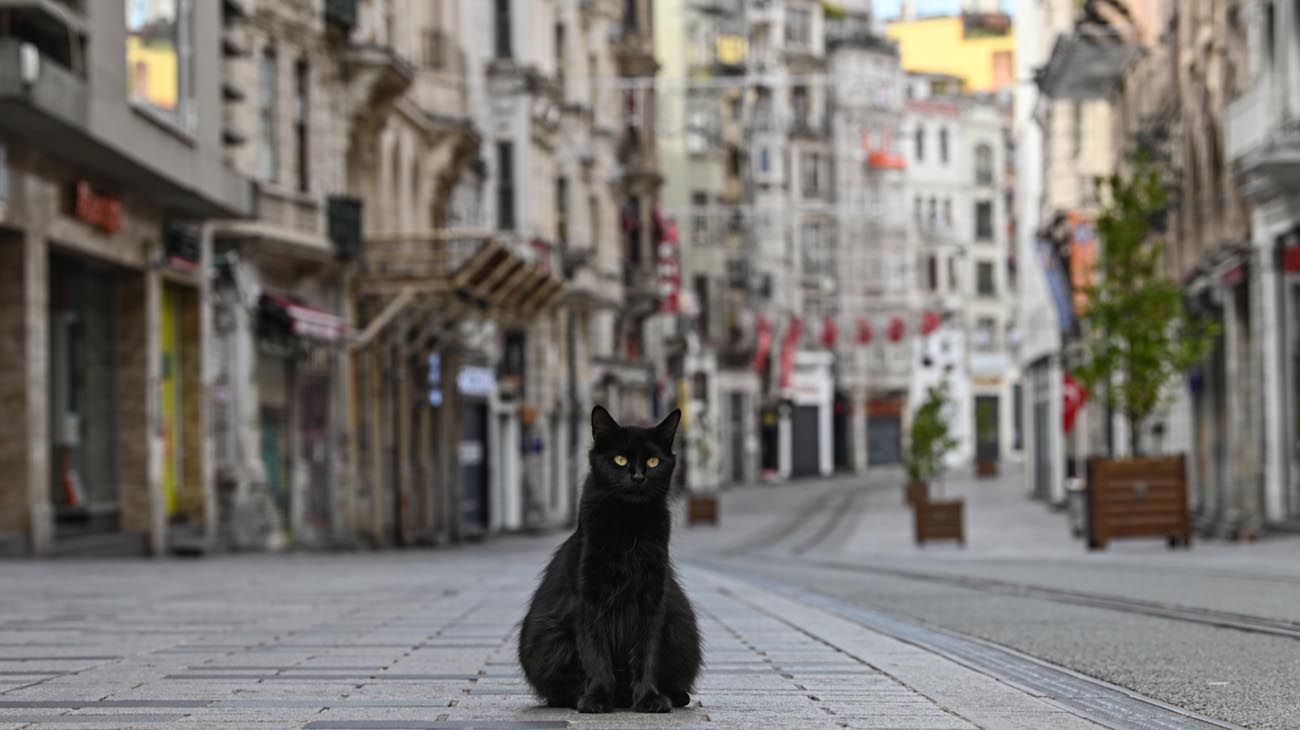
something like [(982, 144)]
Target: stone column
[(25, 508), (141, 443), (1273, 392)]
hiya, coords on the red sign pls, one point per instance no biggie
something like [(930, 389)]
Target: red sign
[(1074, 395), (101, 211), (764, 348), (897, 329), (830, 333), (1291, 259), (865, 335)]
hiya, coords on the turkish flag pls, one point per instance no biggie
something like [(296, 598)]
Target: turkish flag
[(764, 348), (897, 329), (930, 321), (865, 335), (830, 333), (1074, 396)]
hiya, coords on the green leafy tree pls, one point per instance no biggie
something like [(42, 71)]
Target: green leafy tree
[(1138, 337), (930, 441)]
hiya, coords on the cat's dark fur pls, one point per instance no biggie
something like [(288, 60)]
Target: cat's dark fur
[(610, 626)]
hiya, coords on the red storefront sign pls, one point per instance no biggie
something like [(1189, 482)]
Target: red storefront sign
[(104, 212)]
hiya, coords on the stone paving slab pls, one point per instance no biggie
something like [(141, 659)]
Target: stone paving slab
[(366, 642)]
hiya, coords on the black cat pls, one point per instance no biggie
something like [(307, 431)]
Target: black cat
[(610, 626)]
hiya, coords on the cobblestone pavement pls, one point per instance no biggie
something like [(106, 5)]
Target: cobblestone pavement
[(427, 640)]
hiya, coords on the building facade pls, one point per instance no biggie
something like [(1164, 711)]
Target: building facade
[(109, 173)]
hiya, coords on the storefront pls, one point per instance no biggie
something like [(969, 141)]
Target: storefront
[(811, 415), (1288, 253), (885, 430)]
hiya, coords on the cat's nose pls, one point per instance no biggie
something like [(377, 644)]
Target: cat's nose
[(638, 476)]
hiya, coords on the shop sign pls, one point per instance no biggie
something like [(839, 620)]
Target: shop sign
[(476, 380), (104, 212)]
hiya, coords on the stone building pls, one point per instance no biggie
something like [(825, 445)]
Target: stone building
[(281, 279), (108, 171), (1260, 73)]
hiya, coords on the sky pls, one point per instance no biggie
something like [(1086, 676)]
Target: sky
[(886, 9)]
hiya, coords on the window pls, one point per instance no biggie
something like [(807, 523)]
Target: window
[(631, 21), (953, 283), (933, 218), (701, 286), (985, 286), (559, 57), (301, 119), (920, 143), (801, 106), (764, 160), (268, 152), (797, 27), (983, 165), (562, 209), (810, 167), (984, 220), (593, 216), (505, 186), (504, 46), (158, 58), (943, 146), (734, 161), (917, 209), (986, 334), (947, 211), (1077, 129), (699, 217), (932, 272)]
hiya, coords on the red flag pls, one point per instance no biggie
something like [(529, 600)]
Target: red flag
[(1074, 395), (792, 335), (764, 348), (897, 329), (865, 335), (930, 321), (830, 333)]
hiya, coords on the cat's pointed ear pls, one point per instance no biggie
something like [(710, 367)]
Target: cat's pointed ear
[(602, 424), (667, 429)]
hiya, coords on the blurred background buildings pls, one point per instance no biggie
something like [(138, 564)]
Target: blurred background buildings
[(340, 272)]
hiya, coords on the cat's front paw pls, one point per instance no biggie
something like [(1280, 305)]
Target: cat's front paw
[(650, 700), (595, 703)]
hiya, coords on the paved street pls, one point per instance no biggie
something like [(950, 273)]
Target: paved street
[(817, 610)]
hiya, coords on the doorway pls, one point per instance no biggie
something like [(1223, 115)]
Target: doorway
[(473, 464), (805, 442)]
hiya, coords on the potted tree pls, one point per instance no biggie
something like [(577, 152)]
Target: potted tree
[(928, 449), (1137, 340)]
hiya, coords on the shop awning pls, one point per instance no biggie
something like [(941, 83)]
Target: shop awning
[(303, 320)]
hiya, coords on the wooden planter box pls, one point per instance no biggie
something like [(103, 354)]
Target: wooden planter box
[(702, 508), (939, 521), (986, 468), (1137, 498), (915, 492)]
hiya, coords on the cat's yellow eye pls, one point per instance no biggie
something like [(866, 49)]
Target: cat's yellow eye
[(620, 460), (652, 462)]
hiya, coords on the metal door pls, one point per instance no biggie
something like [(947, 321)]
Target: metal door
[(884, 440), (473, 463), (806, 444), (736, 434)]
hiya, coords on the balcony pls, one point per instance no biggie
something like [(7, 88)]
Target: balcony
[(634, 51), (1262, 143), (471, 267)]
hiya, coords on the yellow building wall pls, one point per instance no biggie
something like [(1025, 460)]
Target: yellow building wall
[(937, 45)]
